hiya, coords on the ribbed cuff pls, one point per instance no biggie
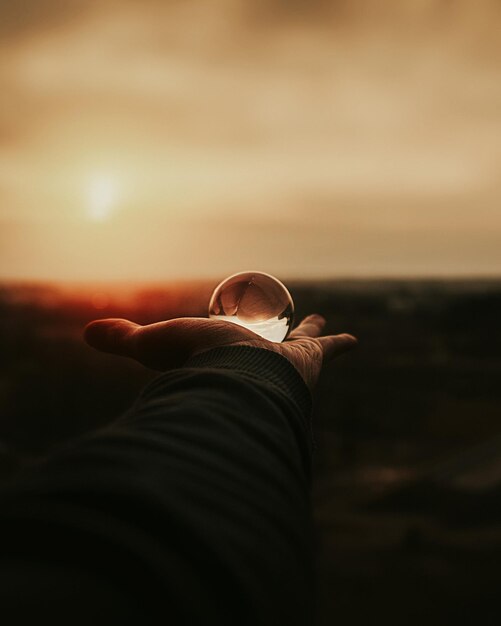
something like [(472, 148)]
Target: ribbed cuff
[(266, 365)]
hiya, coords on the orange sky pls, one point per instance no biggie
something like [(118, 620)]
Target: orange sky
[(158, 140)]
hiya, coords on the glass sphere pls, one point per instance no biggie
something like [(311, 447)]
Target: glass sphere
[(256, 301)]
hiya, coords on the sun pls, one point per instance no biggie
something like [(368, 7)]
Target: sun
[(102, 194)]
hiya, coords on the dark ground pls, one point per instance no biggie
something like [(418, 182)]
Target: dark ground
[(407, 488)]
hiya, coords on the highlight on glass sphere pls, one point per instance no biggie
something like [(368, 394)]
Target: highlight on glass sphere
[(256, 301)]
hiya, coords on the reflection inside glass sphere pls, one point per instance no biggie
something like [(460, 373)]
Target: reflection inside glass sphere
[(256, 301)]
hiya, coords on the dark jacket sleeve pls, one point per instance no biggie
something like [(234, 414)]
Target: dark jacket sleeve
[(194, 506)]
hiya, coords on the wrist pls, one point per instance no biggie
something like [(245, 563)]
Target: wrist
[(262, 364)]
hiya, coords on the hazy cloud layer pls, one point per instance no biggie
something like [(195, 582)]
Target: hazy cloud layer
[(306, 138)]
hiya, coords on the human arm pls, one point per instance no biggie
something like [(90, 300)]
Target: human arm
[(195, 503)]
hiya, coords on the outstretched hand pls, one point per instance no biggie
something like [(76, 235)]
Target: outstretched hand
[(169, 344)]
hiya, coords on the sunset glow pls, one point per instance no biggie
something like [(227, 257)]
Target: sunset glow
[(201, 138), (102, 198)]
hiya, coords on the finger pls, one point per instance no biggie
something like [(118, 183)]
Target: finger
[(311, 326), (111, 335), (166, 344), (334, 345)]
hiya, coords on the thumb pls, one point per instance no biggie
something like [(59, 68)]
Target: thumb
[(334, 345), (112, 335)]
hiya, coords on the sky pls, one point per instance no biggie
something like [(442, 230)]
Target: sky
[(156, 140)]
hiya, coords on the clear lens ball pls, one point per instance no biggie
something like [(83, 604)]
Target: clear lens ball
[(256, 301)]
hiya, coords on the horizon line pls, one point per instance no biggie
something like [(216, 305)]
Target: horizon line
[(26, 281)]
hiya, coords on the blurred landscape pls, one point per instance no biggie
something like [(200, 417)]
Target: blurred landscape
[(407, 485)]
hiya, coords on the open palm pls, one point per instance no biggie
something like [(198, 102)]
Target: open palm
[(169, 344)]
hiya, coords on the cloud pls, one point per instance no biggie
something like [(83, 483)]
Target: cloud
[(263, 114), (26, 17)]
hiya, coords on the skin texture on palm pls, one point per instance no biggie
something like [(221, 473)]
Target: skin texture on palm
[(169, 344)]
